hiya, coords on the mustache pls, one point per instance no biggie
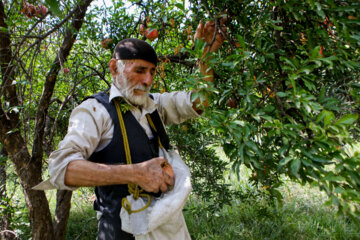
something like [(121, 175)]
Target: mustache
[(142, 88)]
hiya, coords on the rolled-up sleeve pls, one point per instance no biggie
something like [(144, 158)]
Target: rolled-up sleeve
[(87, 124), (175, 107)]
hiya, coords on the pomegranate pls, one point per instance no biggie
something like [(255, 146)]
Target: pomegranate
[(151, 34)]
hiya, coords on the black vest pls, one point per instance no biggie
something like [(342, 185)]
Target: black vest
[(108, 198)]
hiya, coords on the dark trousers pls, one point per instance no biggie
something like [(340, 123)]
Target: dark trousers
[(109, 228)]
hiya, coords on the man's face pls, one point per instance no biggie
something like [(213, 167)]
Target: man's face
[(136, 81)]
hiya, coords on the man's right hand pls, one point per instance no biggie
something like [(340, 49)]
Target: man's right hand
[(151, 177)]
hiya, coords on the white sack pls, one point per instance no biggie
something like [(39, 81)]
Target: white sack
[(163, 219)]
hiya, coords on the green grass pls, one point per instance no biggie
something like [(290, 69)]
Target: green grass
[(82, 224), (300, 217), (251, 215), (82, 220)]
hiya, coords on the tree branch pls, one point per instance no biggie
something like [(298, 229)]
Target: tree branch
[(64, 51)]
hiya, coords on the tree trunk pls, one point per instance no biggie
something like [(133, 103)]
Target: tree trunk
[(63, 204)]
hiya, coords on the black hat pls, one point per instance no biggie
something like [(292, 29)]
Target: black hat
[(133, 48)]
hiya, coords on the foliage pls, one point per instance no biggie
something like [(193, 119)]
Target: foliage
[(291, 70), (14, 204), (207, 168), (82, 212), (294, 78)]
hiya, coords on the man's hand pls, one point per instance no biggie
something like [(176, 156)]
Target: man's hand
[(151, 177), (206, 32), (213, 36)]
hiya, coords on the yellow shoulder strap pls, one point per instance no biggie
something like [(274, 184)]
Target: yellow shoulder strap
[(153, 126), (133, 188)]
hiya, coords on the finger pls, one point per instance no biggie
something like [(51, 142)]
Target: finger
[(163, 187), (209, 27), (210, 23), (224, 29), (169, 180), (199, 30), (163, 163), (222, 20), (156, 190), (160, 160)]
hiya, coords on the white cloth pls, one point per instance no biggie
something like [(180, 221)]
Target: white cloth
[(163, 219)]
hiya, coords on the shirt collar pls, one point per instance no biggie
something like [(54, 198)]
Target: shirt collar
[(115, 92)]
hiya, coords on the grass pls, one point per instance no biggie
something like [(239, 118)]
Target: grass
[(82, 220), (251, 215), (260, 218)]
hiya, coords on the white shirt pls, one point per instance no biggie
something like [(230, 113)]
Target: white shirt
[(91, 128)]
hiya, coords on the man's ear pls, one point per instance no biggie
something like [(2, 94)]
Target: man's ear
[(112, 66)]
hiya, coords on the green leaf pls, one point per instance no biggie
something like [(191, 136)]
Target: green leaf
[(306, 69), (165, 19), (319, 10), (54, 7), (240, 123), (347, 119), (333, 178), (276, 193), (289, 62), (329, 60), (241, 153), (356, 37), (281, 94), (339, 190), (315, 53), (295, 166), (180, 6), (327, 116), (279, 28), (355, 177), (194, 96), (254, 147), (284, 161)]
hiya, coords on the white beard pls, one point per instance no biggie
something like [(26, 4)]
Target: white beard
[(122, 83)]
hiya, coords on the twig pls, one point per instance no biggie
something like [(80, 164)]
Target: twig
[(9, 231), (57, 26)]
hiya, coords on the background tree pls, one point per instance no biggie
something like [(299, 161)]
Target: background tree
[(21, 68)]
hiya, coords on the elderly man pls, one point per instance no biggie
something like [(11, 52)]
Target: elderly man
[(94, 151)]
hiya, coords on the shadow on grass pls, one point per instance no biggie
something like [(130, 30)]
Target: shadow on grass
[(82, 224)]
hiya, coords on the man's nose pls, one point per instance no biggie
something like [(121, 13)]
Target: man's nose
[(148, 79)]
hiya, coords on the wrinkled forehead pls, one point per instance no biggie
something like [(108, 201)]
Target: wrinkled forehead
[(139, 63)]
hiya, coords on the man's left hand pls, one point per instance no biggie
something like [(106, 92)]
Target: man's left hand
[(206, 33)]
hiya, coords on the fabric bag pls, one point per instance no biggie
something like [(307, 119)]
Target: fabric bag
[(163, 219)]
